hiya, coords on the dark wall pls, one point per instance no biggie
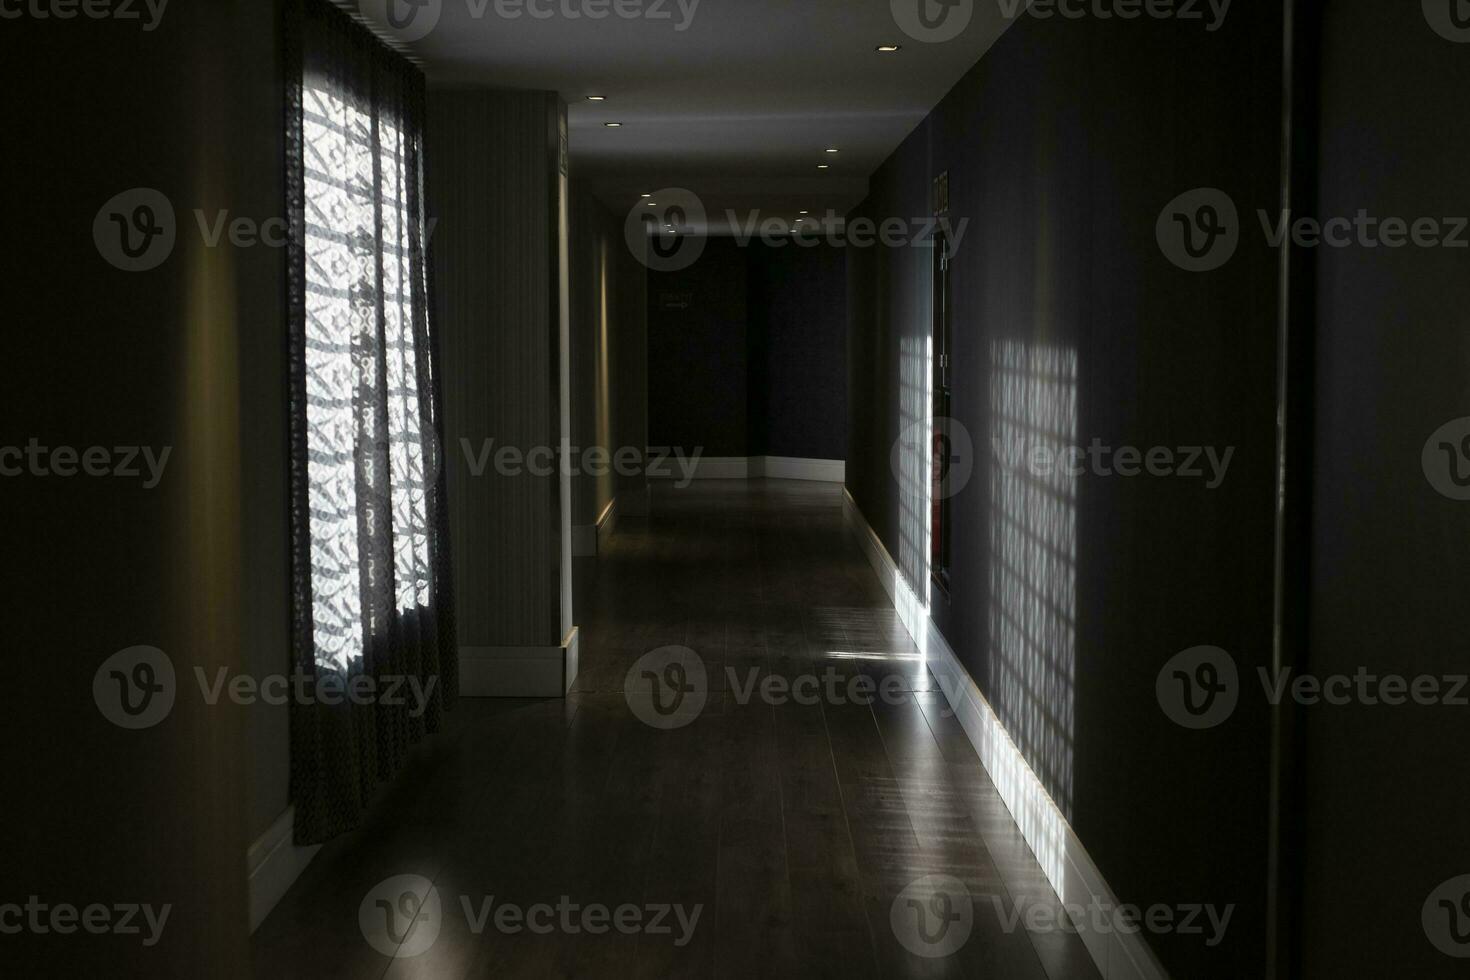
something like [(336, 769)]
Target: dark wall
[(797, 388), (756, 363), (593, 268), (696, 353), (161, 358), (609, 311), (1386, 788), (630, 368), (1063, 145), (265, 451)]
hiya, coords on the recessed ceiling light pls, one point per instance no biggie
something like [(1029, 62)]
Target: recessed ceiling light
[(596, 98), (612, 125), (652, 204), (645, 195), (824, 166), (831, 149), (889, 48), (802, 212)]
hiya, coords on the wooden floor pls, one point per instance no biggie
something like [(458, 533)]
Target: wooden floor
[(794, 827)]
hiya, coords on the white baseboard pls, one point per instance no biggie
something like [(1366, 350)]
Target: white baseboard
[(794, 468), (607, 524), (714, 468), (584, 540), (772, 467), (1073, 874), (272, 865), (519, 672), (589, 540)]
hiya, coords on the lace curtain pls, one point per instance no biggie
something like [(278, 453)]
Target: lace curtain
[(371, 595)]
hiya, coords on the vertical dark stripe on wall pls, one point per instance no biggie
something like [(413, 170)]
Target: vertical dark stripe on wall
[(558, 207), (1296, 400)]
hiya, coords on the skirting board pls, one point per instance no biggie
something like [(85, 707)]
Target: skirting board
[(273, 864), (584, 540), (794, 468), (519, 672), (770, 467), (710, 468), (607, 524), (1073, 874), (589, 540)]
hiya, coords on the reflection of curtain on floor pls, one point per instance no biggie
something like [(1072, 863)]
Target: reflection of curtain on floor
[(373, 623)]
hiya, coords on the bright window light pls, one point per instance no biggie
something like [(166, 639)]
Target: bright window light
[(343, 226)]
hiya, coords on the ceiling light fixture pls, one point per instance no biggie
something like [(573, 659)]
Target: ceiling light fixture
[(824, 166), (803, 212), (645, 195), (596, 98), (831, 149), (613, 125), (889, 48)]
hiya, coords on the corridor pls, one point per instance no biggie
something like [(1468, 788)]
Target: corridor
[(793, 827), (741, 489)]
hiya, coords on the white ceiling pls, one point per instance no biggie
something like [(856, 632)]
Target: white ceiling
[(738, 107)]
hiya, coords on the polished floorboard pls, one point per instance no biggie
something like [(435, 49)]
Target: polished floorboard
[(794, 827)]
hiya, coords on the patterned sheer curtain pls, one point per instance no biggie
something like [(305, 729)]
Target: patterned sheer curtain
[(372, 601)]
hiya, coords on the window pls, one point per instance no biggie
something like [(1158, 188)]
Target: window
[(359, 293), (371, 589)]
